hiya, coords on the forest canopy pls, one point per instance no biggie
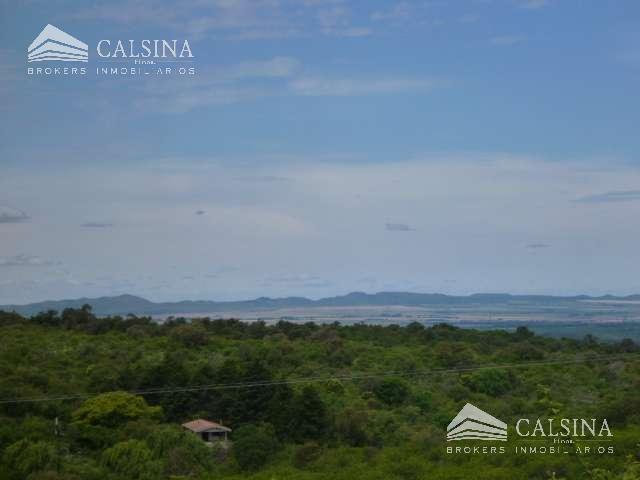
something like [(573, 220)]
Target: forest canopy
[(104, 398)]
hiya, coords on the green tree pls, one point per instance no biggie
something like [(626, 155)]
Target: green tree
[(25, 457), (114, 409), (308, 415), (279, 410), (350, 426), (77, 317), (133, 460), (182, 452), (190, 335), (453, 354), (254, 445), (392, 391), (172, 371), (523, 333), (491, 382)]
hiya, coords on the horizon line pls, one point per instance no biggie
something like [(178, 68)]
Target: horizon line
[(319, 299)]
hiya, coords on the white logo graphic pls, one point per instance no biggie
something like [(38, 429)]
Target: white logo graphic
[(474, 424), (54, 44)]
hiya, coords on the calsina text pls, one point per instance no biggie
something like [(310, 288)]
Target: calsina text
[(144, 49), (565, 427)]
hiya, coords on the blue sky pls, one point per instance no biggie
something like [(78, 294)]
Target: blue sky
[(325, 146)]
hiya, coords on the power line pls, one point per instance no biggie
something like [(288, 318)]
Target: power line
[(326, 378)]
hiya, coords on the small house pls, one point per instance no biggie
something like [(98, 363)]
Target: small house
[(207, 430)]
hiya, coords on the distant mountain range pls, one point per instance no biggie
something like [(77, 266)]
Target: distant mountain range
[(125, 304)]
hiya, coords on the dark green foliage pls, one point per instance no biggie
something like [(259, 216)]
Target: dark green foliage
[(373, 427), (169, 372), (132, 459), (627, 345), (26, 457), (523, 333), (308, 413), (190, 335), (623, 406), (279, 411), (525, 351), (424, 401), (114, 409), (254, 445), (183, 452), (306, 454), (351, 427), (453, 354), (392, 391), (493, 382)]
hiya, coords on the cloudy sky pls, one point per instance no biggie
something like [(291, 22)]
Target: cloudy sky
[(325, 146)]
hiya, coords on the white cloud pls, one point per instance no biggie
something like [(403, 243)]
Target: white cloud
[(533, 4), (12, 215), (538, 246), (399, 11), (97, 225), (277, 67), (234, 83), (25, 261), (507, 40), (398, 227), (296, 280), (234, 19), (475, 218), (243, 82), (336, 21), (336, 16), (612, 197), (319, 86)]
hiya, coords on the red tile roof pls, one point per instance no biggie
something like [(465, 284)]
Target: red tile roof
[(201, 425)]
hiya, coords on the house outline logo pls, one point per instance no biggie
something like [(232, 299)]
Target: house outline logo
[(471, 423), (52, 44)]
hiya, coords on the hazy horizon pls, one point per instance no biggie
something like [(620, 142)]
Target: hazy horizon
[(339, 295)]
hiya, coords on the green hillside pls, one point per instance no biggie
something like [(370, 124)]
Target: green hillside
[(305, 401)]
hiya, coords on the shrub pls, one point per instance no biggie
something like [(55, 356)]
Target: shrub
[(492, 382), (306, 454), (392, 391), (25, 457), (424, 402), (183, 452), (132, 459), (525, 351), (114, 409), (453, 354), (308, 415), (191, 335), (254, 445), (350, 426)]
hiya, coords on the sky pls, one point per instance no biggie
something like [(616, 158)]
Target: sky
[(323, 147)]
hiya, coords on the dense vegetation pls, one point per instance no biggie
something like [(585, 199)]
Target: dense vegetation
[(376, 425)]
